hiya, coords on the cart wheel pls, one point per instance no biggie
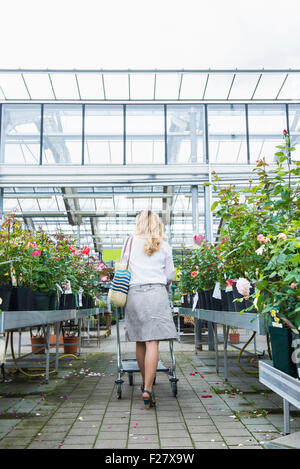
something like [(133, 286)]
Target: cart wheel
[(174, 388), (119, 391), (130, 376)]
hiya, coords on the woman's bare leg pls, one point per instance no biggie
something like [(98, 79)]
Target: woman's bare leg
[(151, 360), (140, 357)]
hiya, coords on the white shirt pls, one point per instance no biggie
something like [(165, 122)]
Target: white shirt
[(158, 268)]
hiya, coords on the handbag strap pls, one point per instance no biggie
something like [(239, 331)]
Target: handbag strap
[(125, 247), (129, 252)]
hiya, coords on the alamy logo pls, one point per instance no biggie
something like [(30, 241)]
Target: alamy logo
[(296, 352)]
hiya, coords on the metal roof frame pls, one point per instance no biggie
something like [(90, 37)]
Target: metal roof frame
[(26, 91)]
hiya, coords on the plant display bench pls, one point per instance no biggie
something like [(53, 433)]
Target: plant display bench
[(248, 321), (282, 384), (20, 321)]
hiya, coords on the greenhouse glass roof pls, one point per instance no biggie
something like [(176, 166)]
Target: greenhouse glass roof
[(52, 85), (84, 150)]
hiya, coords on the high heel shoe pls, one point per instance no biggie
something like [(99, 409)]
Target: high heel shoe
[(148, 402)]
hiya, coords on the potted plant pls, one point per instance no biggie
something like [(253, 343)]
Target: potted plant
[(234, 336)]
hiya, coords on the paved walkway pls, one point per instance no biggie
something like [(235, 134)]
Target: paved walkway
[(78, 408)]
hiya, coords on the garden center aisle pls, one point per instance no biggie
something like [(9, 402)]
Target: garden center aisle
[(79, 409)]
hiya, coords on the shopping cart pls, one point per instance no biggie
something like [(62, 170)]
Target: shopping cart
[(130, 366)]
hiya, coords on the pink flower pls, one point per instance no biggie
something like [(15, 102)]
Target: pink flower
[(199, 239), (282, 236), (261, 238), (194, 274), (103, 279), (36, 253), (229, 282), (293, 285), (86, 250), (243, 286), (72, 248), (77, 252), (285, 132), (100, 266)]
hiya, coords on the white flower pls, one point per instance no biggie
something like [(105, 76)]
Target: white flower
[(260, 250), (243, 286)]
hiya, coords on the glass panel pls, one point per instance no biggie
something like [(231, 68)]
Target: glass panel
[(227, 133), (64, 85), (294, 122), (269, 86), (116, 86), (185, 130), (145, 130), (13, 86), (20, 133), (291, 88), (39, 86), (62, 139), (141, 86), (167, 86), (244, 85), (103, 134), (266, 125), (90, 85), (192, 86), (218, 85)]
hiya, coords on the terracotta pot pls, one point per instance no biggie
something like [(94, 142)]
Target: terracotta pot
[(36, 343), (71, 344), (53, 340), (234, 338)]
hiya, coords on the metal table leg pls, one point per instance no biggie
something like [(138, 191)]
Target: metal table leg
[(19, 345), (286, 416), (58, 327), (225, 333), (215, 332), (47, 337)]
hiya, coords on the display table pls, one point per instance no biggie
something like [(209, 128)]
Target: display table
[(248, 321), (282, 384), (12, 321)]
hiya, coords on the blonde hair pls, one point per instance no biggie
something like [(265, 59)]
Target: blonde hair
[(150, 227)]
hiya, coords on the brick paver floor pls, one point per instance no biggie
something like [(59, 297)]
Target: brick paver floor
[(79, 408)]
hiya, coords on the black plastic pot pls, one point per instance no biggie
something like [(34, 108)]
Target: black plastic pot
[(187, 301), (216, 304), (282, 351), (54, 302), (21, 299), (227, 301), (230, 302), (208, 298), (239, 305), (202, 302), (5, 295), (67, 301), (41, 301)]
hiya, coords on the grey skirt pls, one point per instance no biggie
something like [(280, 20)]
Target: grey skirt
[(148, 314)]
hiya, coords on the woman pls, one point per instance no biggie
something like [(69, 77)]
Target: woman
[(148, 317)]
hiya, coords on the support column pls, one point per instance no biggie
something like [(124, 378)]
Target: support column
[(195, 210), (209, 237), (195, 218), (1, 203), (207, 214)]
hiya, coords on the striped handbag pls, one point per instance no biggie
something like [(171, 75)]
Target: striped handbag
[(117, 294)]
